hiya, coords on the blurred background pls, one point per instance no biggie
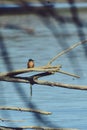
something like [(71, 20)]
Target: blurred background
[(31, 29)]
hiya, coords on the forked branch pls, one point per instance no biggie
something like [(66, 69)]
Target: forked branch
[(46, 70)]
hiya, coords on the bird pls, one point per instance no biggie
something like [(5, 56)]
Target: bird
[(30, 63)]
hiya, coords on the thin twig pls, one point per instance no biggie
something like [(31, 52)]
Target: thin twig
[(65, 51), (25, 110), (70, 74)]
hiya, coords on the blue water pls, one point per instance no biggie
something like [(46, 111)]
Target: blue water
[(52, 4), (68, 106)]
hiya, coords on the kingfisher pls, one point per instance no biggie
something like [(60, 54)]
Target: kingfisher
[(30, 63)]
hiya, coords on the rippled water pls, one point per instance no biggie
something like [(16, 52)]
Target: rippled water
[(50, 37)]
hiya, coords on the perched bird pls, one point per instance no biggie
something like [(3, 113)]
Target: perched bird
[(30, 63)]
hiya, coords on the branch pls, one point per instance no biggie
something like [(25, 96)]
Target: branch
[(10, 76), (37, 69), (16, 72), (65, 51), (47, 69), (34, 80), (67, 73), (25, 110), (23, 79), (35, 127), (15, 79), (57, 84)]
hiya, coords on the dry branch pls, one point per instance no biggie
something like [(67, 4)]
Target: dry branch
[(70, 74), (53, 84), (14, 79), (34, 80), (57, 84), (25, 110), (37, 69), (35, 127), (48, 69), (65, 51)]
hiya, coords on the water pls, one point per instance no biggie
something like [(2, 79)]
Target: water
[(52, 4), (68, 106)]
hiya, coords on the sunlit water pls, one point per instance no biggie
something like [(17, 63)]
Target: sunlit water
[(68, 106)]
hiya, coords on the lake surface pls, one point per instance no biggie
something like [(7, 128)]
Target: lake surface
[(52, 4), (51, 36)]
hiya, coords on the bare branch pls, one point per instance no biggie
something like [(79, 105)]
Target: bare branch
[(67, 73), (65, 51), (16, 72), (47, 69), (37, 69), (34, 80), (57, 84), (24, 79), (14, 79), (35, 127), (25, 110)]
